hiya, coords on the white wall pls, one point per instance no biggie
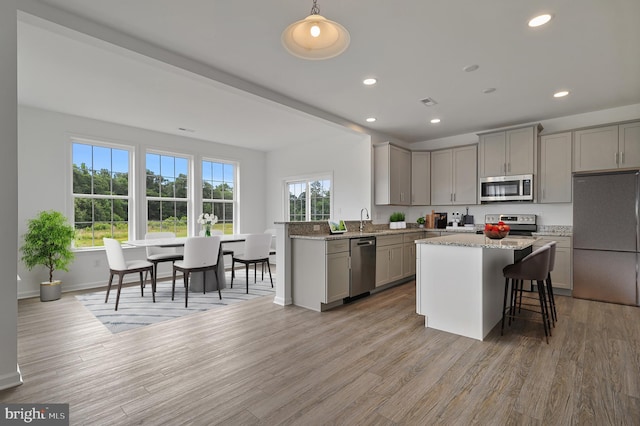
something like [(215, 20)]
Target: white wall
[(348, 160), (44, 171), (9, 371)]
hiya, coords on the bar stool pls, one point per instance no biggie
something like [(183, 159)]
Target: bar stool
[(534, 267), (552, 300)]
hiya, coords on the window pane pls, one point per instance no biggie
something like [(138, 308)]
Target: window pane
[(168, 187), (218, 185), (153, 185), (167, 166)]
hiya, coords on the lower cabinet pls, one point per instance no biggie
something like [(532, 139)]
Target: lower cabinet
[(561, 276), (409, 253), (320, 271), (389, 250)]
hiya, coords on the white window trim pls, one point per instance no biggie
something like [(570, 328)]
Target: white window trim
[(236, 189)]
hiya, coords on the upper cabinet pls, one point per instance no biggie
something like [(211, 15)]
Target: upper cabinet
[(555, 168), (508, 152), (420, 178), (454, 176), (392, 175), (608, 147)]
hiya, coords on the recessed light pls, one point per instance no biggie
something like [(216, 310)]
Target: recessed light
[(489, 90), (539, 20), (369, 81), (435, 121), (470, 68), (371, 119), (561, 94)]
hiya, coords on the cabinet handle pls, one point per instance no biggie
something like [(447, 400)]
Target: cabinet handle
[(508, 167), (504, 168), (616, 157), (622, 157), (543, 196), (454, 196)]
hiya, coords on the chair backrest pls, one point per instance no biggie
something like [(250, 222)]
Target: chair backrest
[(552, 255), (535, 266), (160, 250), (257, 246), (271, 232), (201, 251), (115, 255)]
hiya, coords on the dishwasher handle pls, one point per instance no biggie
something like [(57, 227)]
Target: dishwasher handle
[(367, 243)]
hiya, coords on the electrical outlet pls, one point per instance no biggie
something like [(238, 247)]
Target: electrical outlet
[(316, 227)]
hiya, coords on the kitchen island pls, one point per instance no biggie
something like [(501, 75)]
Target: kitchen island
[(459, 281)]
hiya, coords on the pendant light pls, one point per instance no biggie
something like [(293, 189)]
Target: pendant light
[(315, 37)]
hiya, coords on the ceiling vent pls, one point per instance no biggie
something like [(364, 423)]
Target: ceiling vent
[(428, 101)]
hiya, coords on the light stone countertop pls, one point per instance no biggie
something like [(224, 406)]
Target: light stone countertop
[(357, 234), (480, 241)]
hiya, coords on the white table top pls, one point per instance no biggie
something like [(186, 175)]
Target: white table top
[(179, 241)]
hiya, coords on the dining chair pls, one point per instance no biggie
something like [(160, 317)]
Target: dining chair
[(225, 252), (200, 255), (119, 266), (272, 246), (156, 255), (256, 251)]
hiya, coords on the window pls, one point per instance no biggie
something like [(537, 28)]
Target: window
[(101, 193), (218, 193), (309, 199), (167, 193)]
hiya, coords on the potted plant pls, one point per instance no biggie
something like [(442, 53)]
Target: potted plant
[(48, 243), (396, 220), (421, 221)]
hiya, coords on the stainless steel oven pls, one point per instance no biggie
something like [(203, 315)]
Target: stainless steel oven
[(506, 188)]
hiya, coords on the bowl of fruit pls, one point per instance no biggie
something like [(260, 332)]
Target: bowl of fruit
[(496, 232)]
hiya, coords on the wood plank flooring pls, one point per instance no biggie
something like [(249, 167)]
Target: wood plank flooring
[(371, 362)]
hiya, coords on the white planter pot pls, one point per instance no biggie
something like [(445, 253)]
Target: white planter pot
[(393, 225), (50, 291)]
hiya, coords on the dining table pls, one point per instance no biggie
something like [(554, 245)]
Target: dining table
[(196, 279)]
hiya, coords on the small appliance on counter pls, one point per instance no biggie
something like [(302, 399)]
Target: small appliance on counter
[(520, 224), (468, 219), (440, 220)]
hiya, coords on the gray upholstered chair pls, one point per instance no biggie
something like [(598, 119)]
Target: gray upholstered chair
[(119, 266), (200, 255), (256, 251)]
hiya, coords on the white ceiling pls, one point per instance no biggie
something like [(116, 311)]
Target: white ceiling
[(416, 49)]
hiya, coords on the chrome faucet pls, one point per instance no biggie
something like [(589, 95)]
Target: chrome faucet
[(361, 221)]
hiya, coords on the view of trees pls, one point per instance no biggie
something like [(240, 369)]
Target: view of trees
[(319, 193)]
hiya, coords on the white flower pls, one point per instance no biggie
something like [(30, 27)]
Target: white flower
[(207, 219)]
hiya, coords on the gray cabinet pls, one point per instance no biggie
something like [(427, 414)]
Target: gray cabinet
[(389, 251), (320, 272), (409, 253), (508, 152), (561, 277), (607, 147), (420, 178), (555, 168), (454, 176), (392, 175)]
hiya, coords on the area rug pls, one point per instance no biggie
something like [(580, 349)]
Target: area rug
[(135, 311)]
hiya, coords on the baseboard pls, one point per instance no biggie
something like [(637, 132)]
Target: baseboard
[(11, 380), (282, 302)]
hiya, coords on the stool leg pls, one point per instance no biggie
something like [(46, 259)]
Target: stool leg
[(542, 309), (504, 304), (552, 300), (547, 315)]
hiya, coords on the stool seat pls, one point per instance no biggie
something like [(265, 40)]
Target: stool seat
[(533, 267)]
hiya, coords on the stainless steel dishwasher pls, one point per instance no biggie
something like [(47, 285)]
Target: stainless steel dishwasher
[(363, 266)]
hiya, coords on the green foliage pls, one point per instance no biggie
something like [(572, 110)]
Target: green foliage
[(48, 242), (396, 217), (421, 220)]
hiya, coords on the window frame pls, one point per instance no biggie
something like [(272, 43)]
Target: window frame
[(234, 202), (131, 185), (307, 179)]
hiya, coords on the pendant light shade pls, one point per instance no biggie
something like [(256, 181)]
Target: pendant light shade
[(315, 37)]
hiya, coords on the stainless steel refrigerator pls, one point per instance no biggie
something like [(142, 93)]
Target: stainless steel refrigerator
[(606, 237)]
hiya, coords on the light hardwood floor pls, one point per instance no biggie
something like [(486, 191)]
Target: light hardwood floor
[(370, 362)]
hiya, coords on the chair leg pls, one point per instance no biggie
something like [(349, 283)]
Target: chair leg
[(269, 268), (141, 284), (186, 288), (233, 268), (504, 304), (109, 287), (153, 285), (552, 300), (155, 275), (255, 272), (173, 284), (204, 282), (121, 275), (247, 269), (542, 309)]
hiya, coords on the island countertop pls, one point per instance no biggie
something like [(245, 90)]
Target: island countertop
[(480, 241)]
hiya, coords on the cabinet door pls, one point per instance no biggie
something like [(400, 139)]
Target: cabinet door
[(409, 259), (395, 262), (561, 275), (441, 177), (382, 265), (400, 176), (520, 151), (420, 178), (337, 286), (595, 149), (465, 176), (492, 154), (629, 145), (555, 168)]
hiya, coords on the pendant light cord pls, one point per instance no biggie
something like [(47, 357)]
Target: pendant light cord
[(315, 10)]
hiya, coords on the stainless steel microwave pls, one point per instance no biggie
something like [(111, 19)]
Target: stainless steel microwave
[(506, 188)]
